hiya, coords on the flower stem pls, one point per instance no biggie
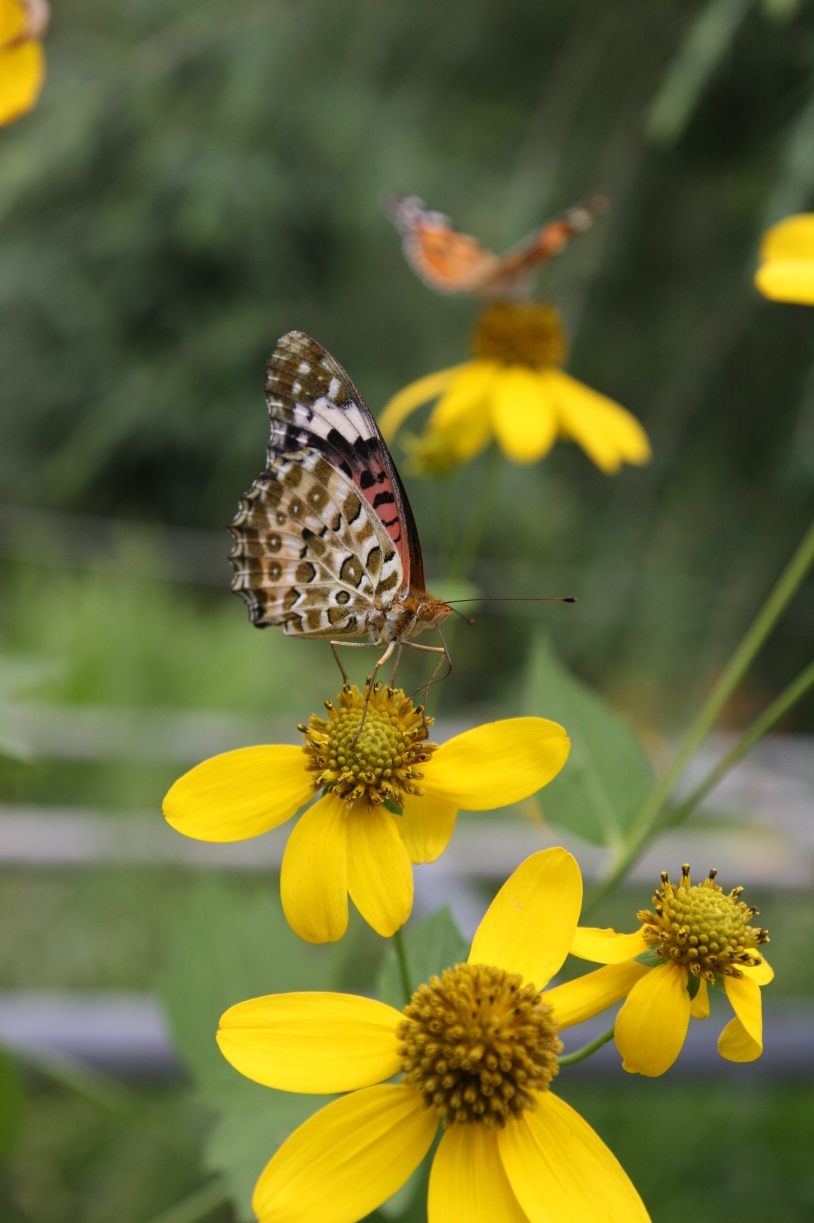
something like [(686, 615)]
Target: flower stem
[(462, 562), (736, 668), (579, 1055), (404, 971)]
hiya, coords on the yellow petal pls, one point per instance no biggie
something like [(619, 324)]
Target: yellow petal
[(787, 280), (592, 993), (652, 1024), (460, 439), (22, 72), (314, 875), (744, 996), (523, 416), (239, 794), (736, 1045), (699, 1006), (468, 1183), (606, 946), (13, 21), (762, 973), (608, 433), (405, 402), (530, 924), (562, 1172), (380, 877), (496, 764), (468, 390), (791, 238), (426, 826), (347, 1159), (311, 1042)]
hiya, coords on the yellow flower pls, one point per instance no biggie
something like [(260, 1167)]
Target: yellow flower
[(351, 841), (697, 937), (22, 62), (515, 393), (786, 272), (511, 1151)]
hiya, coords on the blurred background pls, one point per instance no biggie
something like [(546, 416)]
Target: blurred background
[(200, 177)]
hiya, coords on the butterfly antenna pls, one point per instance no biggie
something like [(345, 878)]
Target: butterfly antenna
[(514, 599), (468, 619)]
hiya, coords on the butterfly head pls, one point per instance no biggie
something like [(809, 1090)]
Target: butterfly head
[(428, 610)]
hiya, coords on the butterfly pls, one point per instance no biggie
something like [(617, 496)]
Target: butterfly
[(452, 262), (325, 541)]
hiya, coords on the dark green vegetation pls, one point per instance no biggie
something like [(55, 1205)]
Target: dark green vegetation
[(201, 177)]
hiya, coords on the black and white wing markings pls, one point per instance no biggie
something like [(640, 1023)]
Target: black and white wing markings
[(314, 405)]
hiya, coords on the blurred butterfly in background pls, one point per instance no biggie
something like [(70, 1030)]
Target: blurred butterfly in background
[(452, 262), (326, 544)]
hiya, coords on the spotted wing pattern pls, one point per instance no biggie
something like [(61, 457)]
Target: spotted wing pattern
[(314, 405), (453, 262), (310, 554)]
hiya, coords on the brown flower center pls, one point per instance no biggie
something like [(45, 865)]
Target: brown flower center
[(476, 1043), (381, 762), (521, 333), (699, 926)]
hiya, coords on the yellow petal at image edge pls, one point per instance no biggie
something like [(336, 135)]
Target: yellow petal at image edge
[(347, 1159), (405, 402), (592, 993), (468, 1183), (787, 280), (607, 432), (606, 946), (426, 826), (736, 1045), (530, 924), (239, 794), (22, 72), (652, 1025), (523, 416), (311, 1042), (314, 874), (562, 1172), (744, 997), (13, 20), (699, 1007), (496, 764), (380, 877), (791, 238)]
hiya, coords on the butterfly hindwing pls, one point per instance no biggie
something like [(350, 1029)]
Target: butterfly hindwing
[(314, 406), (310, 554)]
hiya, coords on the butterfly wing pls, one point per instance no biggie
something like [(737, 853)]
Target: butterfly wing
[(452, 262), (327, 528)]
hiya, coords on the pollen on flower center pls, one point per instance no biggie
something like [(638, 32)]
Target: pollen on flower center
[(380, 764), (476, 1043), (521, 333), (701, 927)]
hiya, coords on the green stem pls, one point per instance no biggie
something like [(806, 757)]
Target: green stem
[(404, 971), (482, 515), (197, 1205), (734, 672), (569, 1059), (760, 727)]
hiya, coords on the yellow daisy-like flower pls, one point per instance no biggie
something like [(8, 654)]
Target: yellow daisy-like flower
[(697, 936), (22, 61), (379, 811), (786, 272), (477, 1049), (514, 393)]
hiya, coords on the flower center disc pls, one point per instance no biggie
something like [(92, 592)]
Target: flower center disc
[(381, 762), (476, 1043), (521, 333), (699, 926)]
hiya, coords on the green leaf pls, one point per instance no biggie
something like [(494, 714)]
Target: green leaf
[(650, 958), (693, 984), (433, 945), (607, 775), (10, 1105), (224, 949)]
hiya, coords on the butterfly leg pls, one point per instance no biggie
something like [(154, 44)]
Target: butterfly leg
[(396, 666), (433, 649)]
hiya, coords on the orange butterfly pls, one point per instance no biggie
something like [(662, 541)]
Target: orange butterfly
[(452, 262)]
